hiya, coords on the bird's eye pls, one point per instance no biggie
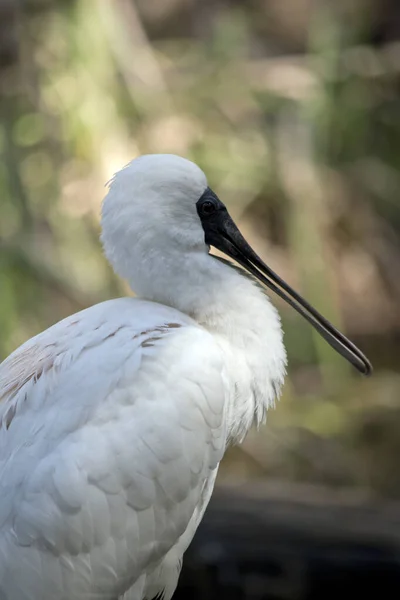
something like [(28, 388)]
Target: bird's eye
[(208, 207)]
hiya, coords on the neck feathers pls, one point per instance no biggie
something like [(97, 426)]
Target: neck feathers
[(248, 328), (237, 312)]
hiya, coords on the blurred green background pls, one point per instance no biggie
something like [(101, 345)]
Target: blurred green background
[(292, 107)]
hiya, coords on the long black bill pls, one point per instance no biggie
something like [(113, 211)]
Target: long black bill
[(222, 233)]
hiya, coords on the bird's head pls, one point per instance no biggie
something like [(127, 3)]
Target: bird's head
[(159, 209), (152, 203)]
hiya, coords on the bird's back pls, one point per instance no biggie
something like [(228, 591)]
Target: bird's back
[(111, 432)]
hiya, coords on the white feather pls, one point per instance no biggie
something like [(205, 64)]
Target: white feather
[(113, 422)]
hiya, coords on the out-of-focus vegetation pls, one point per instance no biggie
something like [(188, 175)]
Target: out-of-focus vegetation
[(292, 108)]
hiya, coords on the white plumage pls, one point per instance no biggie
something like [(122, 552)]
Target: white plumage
[(113, 422)]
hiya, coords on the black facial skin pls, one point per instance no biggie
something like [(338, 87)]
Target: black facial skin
[(221, 232)]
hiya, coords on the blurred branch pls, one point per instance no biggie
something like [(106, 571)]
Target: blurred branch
[(133, 52), (24, 255), (297, 77)]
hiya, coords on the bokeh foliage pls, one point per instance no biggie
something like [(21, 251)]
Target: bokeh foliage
[(293, 110)]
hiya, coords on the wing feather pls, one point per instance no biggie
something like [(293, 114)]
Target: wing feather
[(111, 431)]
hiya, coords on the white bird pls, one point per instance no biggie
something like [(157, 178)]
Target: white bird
[(113, 421)]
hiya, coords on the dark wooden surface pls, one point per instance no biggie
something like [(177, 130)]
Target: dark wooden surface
[(281, 542)]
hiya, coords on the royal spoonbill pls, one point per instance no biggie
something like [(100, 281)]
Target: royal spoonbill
[(113, 421)]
